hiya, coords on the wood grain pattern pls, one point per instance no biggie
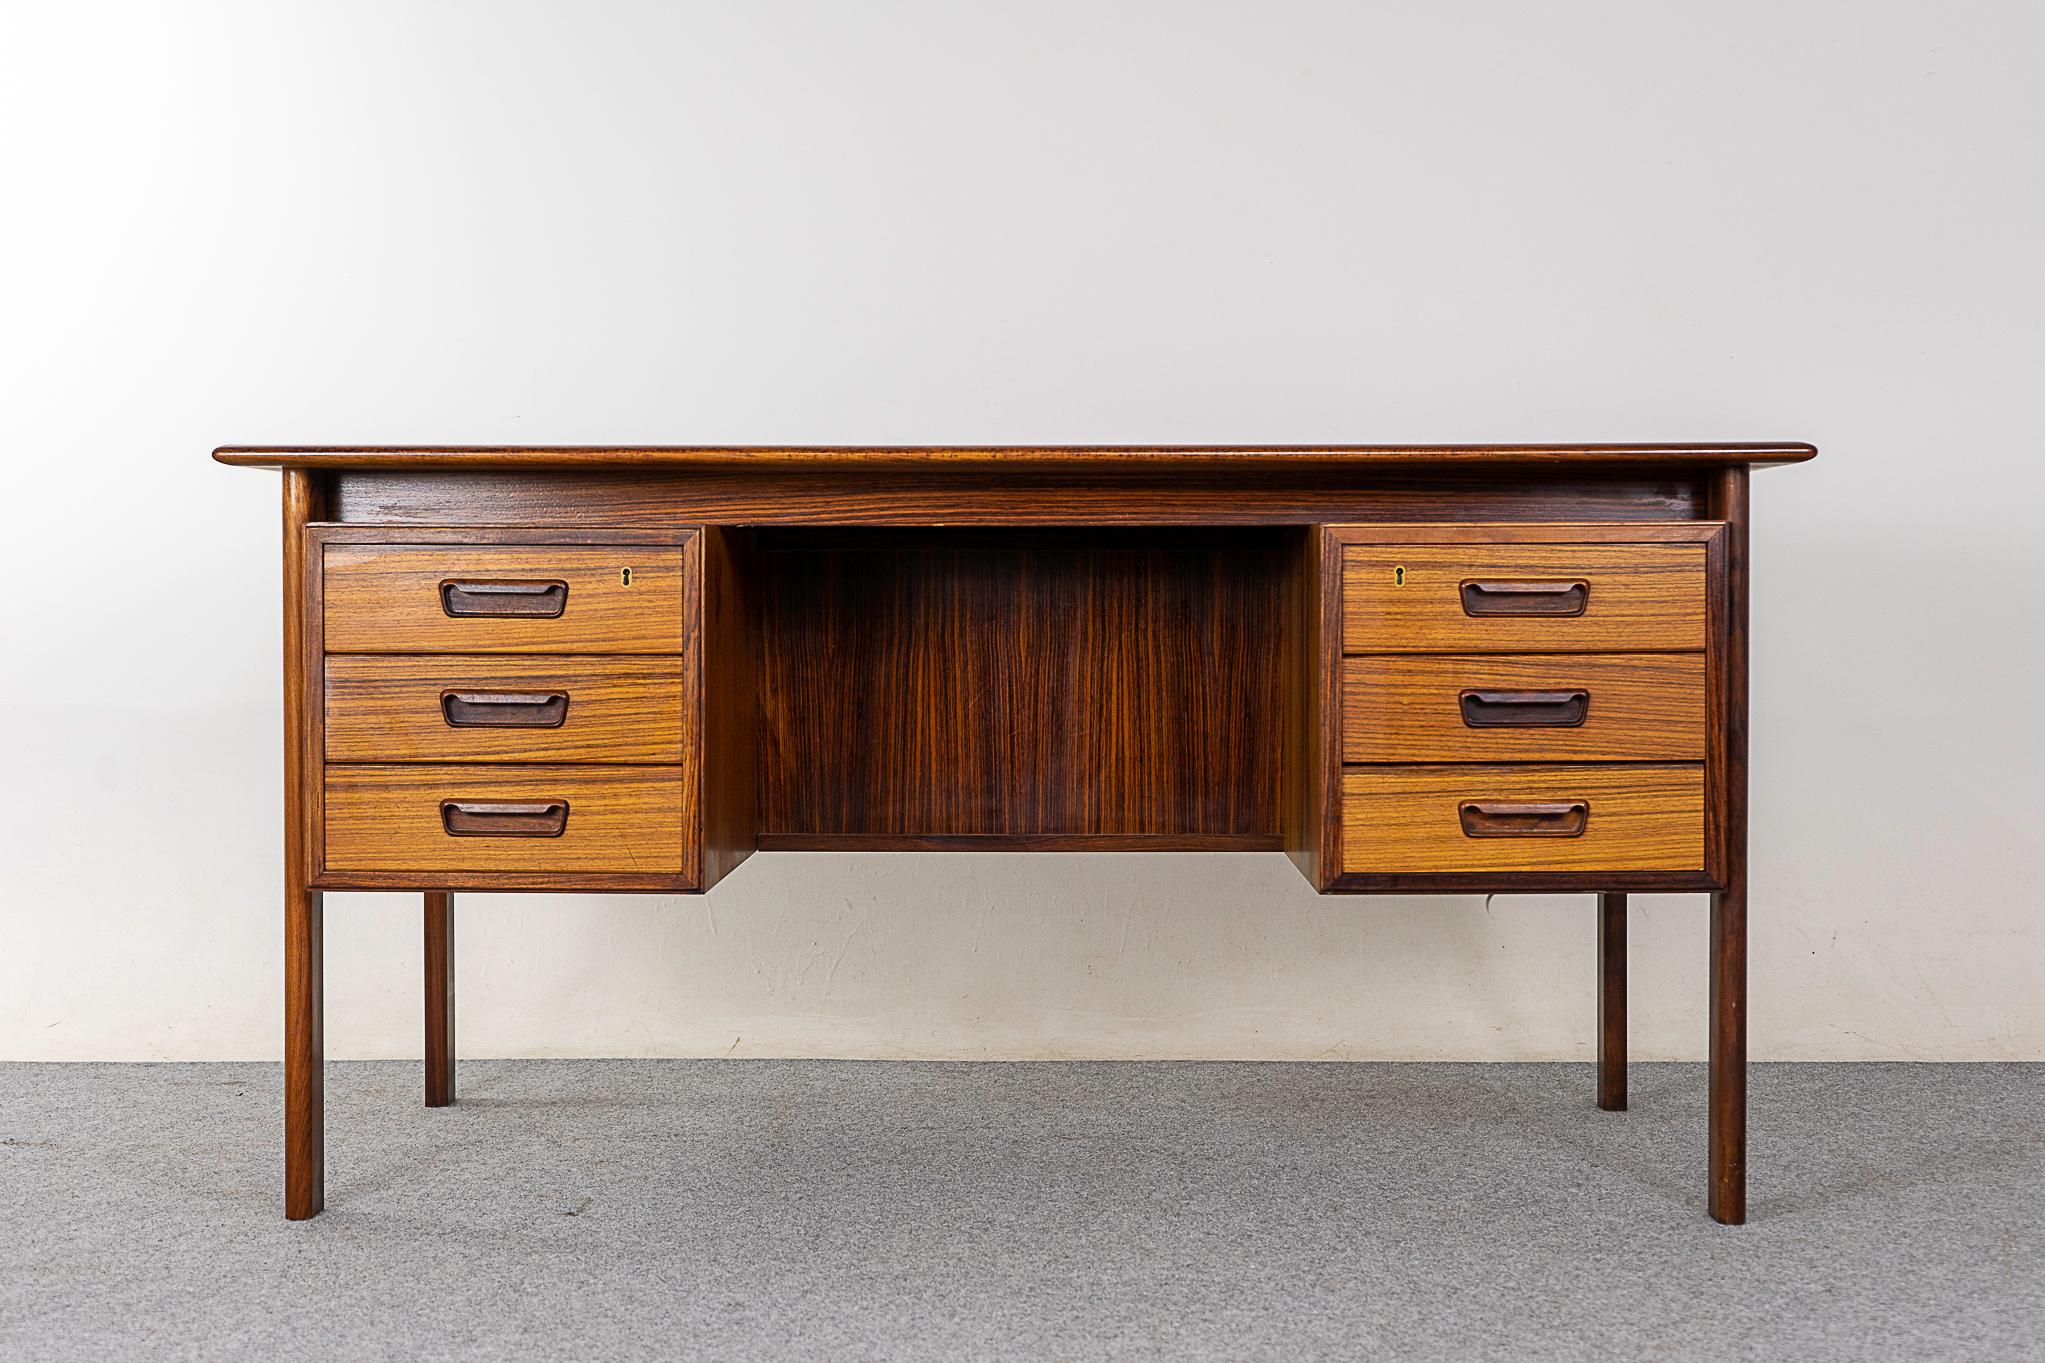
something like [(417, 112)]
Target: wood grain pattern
[(1251, 494), (1406, 819), (1014, 459), (621, 819), (388, 708), (439, 958), (1643, 707), (1407, 598), (932, 683), (387, 598)]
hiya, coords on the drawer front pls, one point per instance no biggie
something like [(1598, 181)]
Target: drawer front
[(1643, 707), (1466, 818), (428, 708), (1522, 598), (588, 820), (504, 598)]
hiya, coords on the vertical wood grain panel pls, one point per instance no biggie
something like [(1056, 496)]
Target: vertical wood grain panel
[(728, 670), (1311, 715), (1017, 684)]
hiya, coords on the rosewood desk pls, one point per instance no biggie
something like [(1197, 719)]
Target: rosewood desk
[(1413, 670)]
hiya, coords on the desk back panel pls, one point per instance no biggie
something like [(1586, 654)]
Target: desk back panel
[(1045, 688)]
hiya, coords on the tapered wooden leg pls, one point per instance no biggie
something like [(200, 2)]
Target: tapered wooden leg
[(1612, 1002), (305, 1108), (1727, 1125), (439, 999)]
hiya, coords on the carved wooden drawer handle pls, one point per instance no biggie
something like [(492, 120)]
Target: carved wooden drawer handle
[(1526, 598), (504, 709), (504, 600), (1526, 709), (490, 819), (1528, 819)]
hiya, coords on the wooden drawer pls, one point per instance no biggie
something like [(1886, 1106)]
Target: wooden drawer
[(1478, 597), (611, 820), (505, 598), (430, 708), (1522, 818), (1641, 707)]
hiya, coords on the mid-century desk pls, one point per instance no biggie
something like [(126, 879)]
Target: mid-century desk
[(1413, 670)]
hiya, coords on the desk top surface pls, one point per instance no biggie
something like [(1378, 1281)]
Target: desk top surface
[(1069, 457)]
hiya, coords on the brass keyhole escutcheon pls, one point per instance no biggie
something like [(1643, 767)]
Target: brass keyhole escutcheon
[(1399, 577), (624, 577)]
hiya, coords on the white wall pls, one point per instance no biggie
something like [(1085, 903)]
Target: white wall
[(1028, 221)]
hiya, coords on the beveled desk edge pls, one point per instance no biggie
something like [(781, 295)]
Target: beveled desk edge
[(1011, 457)]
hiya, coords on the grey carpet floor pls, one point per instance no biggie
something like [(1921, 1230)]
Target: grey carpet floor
[(813, 1210)]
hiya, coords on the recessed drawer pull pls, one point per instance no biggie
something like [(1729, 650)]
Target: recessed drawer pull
[(505, 709), (1525, 598), (1527, 819), (504, 600), (488, 819), (1526, 709)]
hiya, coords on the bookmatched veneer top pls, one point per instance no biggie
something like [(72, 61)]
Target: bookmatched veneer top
[(1063, 457)]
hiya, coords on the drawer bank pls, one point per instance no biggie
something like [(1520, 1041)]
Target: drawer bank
[(1469, 670)]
